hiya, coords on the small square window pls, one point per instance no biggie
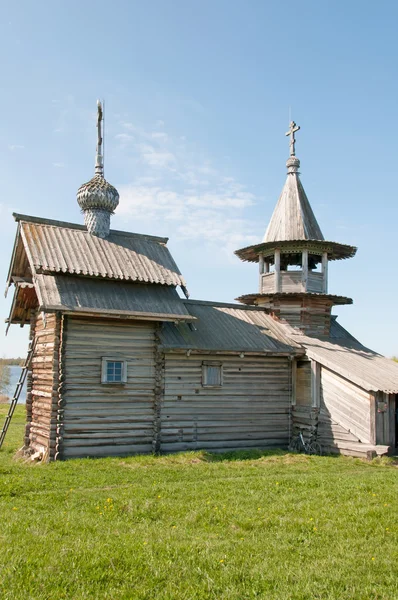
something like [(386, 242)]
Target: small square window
[(113, 370), (212, 375)]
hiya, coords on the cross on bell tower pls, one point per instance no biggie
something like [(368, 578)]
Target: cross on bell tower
[(292, 130)]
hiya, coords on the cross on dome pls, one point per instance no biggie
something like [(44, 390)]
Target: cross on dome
[(99, 162), (292, 130)]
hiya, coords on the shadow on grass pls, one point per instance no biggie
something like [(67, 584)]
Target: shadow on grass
[(240, 455)]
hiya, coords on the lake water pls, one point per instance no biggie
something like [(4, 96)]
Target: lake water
[(14, 376)]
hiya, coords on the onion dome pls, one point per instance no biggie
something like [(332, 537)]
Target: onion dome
[(97, 198)]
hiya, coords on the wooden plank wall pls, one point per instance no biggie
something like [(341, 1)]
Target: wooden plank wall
[(106, 419), (291, 281), (250, 410), (267, 283), (42, 397), (303, 383), (315, 282), (385, 419), (345, 410)]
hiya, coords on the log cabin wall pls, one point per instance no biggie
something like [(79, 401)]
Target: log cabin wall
[(43, 381), (310, 314), (250, 410), (107, 419), (345, 411), (304, 415)]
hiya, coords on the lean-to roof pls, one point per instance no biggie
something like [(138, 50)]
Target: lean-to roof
[(227, 328), (100, 297), (49, 247), (343, 354)]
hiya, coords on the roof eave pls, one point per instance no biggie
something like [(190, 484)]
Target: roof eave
[(117, 314), (233, 351), (336, 250)]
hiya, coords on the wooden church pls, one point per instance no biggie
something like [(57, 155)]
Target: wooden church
[(121, 364)]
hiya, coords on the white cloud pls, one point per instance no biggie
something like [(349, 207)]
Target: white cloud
[(155, 157), (59, 165), (14, 147), (124, 137), (159, 135), (181, 192)]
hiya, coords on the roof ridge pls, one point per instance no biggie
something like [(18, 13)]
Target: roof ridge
[(67, 225), (224, 304)]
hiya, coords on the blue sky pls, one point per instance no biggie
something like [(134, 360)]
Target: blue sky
[(197, 98)]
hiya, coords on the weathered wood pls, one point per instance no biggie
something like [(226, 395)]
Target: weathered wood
[(324, 272), (253, 405), (304, 273), (125, 412), (277, 270), (346, 405), (315, 384)]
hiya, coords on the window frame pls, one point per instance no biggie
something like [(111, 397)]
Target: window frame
[(212, 363), (104, 370)]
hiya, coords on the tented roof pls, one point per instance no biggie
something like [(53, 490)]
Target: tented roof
[(293, 217)]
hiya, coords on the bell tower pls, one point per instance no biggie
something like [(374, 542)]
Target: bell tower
[(293, 259)]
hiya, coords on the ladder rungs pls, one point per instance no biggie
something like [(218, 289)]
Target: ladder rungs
[(18, 389)]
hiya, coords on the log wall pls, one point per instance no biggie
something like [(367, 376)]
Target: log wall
[(42, 396), (250, 410), (107, 419), (308, 313)]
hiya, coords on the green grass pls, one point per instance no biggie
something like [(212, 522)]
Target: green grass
[(194, 526)]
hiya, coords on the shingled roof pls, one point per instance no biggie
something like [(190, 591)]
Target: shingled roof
[(44, 246), (293, 217), (293, 225)]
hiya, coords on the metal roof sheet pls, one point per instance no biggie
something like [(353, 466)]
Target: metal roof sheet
[(347, 357), (227, 327), (54, 247), (114, 298)]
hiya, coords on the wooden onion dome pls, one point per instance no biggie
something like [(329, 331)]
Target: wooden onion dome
[(293, 256), (97, 198)]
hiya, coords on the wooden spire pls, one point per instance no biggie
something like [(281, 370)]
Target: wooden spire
[(293, 218)]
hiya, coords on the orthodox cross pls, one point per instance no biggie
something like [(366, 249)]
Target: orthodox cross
[(99, 165), (292, 130)]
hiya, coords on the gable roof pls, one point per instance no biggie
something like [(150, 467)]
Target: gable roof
[(293, 217), (228, 328), (48, 247)]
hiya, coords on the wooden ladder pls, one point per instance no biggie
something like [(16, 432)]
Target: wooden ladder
[(18, 389)]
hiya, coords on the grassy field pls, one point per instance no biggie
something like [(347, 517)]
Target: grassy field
[(194, 526)]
